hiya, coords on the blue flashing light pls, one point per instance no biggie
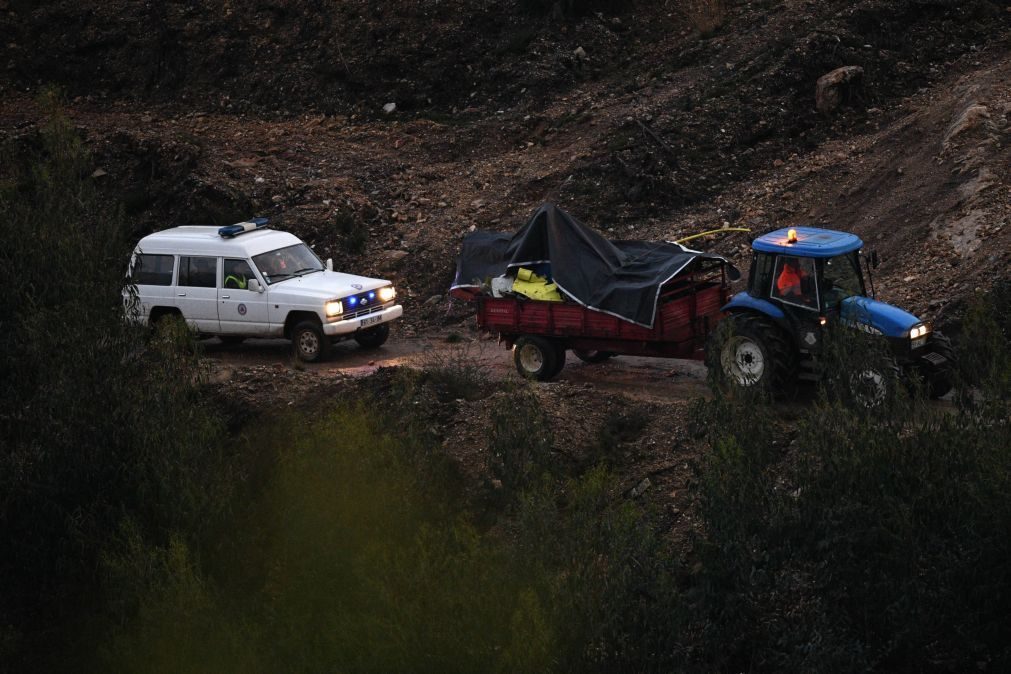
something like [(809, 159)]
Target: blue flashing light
[(352, 301), (241, 228), (372, 295)]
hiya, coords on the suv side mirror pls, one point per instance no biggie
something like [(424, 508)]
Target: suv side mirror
[(874, 259), (254, 285), (329, 264)]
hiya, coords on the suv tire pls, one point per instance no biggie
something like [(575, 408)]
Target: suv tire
[(373, 338), (309, 342)]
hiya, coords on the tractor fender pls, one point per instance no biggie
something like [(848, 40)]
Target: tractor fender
[(744, 302)]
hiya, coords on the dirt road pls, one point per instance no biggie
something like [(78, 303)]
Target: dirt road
[(636, 377)]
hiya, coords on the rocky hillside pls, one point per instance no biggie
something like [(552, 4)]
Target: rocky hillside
[(382, 132)]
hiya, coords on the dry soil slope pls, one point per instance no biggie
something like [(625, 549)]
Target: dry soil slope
[(209, 111)]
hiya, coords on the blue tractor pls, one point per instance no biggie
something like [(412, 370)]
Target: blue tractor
[(803, 280)]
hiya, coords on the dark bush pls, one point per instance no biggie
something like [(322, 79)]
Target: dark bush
[(99, 428), (868, 539), (574, 8)]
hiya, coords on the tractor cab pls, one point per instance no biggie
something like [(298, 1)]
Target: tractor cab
[(804, 278), (806, 268)]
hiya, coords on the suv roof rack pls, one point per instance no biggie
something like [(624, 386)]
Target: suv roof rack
[(231, 231)]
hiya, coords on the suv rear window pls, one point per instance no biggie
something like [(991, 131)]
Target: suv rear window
[(153, 270), (198, 272)]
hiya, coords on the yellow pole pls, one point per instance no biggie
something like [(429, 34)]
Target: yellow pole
[(713, 231)]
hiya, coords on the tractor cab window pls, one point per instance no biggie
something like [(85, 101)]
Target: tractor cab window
[(841, 279), (794, 282), (761, 274)]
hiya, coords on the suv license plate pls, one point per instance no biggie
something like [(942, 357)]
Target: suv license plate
[(371, 320)]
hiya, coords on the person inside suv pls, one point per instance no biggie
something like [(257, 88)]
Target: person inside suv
[(236, 274)]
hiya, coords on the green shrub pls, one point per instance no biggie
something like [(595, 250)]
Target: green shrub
[(346, 559), (98, 426), (457, 373), (521, 441), (867, 539), (353, 232)]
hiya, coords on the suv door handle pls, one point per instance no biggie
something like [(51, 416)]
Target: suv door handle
[(181, 295), (226, 297)]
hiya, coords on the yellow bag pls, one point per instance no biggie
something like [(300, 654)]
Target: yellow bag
[(535, 287)]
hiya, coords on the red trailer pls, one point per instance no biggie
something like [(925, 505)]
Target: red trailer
[(540, 332)]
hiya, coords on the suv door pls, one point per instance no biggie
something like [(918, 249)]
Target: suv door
[(197, 292), (241, 311)]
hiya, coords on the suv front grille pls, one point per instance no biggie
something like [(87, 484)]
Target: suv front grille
[(365, 312)]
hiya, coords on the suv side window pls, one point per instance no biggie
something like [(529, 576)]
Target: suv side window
[(198, 272), (236, 274), (153, 270)]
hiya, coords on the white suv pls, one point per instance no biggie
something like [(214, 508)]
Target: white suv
[(246, 280)]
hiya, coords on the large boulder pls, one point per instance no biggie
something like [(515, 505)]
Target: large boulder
[(836, 86)]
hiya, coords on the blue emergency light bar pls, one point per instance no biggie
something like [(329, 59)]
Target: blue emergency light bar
[(231, 231)]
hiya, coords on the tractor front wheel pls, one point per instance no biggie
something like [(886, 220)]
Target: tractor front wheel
[(754, 355), (940, 382)]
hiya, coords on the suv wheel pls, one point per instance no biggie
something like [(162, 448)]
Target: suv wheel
[(309, 342), (373, 338)]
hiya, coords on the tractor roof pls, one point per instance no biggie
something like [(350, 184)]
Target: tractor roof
[(811, 242)]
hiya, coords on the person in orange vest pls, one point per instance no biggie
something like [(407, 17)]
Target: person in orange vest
[(788, 283)]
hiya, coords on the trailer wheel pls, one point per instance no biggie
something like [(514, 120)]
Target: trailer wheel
[(559, 359), (592, 355), (754, 355), (939, 383), (535, 358)]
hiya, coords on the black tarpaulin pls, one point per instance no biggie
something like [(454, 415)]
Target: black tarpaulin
[(622, 278)]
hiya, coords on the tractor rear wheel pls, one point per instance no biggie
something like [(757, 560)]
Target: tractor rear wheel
[(939, 383), (536, 357), (754, 356)]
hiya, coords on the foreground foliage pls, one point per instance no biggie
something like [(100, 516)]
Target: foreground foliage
[(135, 537), (871, 539), (102, 431)]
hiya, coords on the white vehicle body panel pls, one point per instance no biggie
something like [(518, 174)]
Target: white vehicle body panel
[(250, 313)]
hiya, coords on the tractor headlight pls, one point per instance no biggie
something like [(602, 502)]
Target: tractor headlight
[(333, 308), (386, 294), (918, 331)]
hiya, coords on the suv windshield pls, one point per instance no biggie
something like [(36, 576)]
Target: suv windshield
[(284, 263), (841, 279)]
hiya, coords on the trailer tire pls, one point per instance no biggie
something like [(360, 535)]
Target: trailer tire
[(559, 359), (753, 355), (536, 357), (939, 383), (592, 355)]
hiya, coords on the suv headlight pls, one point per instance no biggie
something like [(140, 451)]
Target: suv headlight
[(918, 331), (386, 294), (333, 308)]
